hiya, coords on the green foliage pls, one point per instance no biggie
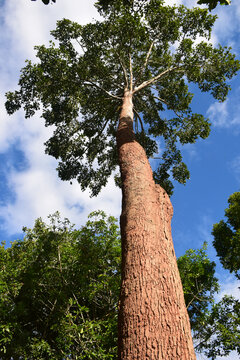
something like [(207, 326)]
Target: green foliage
[(199, 284), (213, 3), (78, 83), (227, 236), (59, 291), (215, 326), (220, 333)]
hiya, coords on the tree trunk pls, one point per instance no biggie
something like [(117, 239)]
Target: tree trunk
[(153, 320)]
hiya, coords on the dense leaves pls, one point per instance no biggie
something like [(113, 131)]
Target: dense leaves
[(227, 236), (78, 84), (59, 291), (199, 284), (220, 332)]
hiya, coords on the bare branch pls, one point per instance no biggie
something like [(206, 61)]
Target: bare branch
[(145, 62), (155, 78), (100, 88)]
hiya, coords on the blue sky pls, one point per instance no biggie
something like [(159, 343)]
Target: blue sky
[(29, 186)]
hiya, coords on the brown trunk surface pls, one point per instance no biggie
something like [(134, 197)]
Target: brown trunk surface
[(153, 320)]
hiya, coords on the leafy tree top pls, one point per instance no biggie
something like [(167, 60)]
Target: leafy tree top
[(146, 47)]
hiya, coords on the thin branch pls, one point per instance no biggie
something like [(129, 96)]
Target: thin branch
[(59, 259), (81, 46), (155, 78), (139, 118), (160, 99), (124, 70), (100, 88), (193, 298), (145, 62), (166, 103), (131, 73)]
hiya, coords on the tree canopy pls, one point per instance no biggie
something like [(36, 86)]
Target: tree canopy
[(146, 46)]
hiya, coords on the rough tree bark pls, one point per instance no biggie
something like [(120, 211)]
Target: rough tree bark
[(153, 320)]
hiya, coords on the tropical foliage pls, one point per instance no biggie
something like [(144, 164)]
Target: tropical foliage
[(59, 291)]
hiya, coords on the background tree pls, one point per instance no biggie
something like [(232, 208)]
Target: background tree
[(146, 56), (219, 334), (199, 285), (227, 236), (59, 290)]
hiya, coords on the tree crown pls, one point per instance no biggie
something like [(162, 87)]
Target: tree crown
[(79, 82)]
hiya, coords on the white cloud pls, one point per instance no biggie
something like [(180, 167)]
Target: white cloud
[(29, 23), (218, 114), (226, 114), (229, 287), (227, 27), (39, 192), (36, 189)]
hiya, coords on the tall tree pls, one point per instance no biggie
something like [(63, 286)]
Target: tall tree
[(138, 61)]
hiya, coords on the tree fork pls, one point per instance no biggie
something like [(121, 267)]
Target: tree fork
[(153, 320)]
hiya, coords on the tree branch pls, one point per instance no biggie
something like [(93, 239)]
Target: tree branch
[(145, 62), (160, 99), (100, 88), (155, 78), (124, 70), (131, 73), (139, 118)]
